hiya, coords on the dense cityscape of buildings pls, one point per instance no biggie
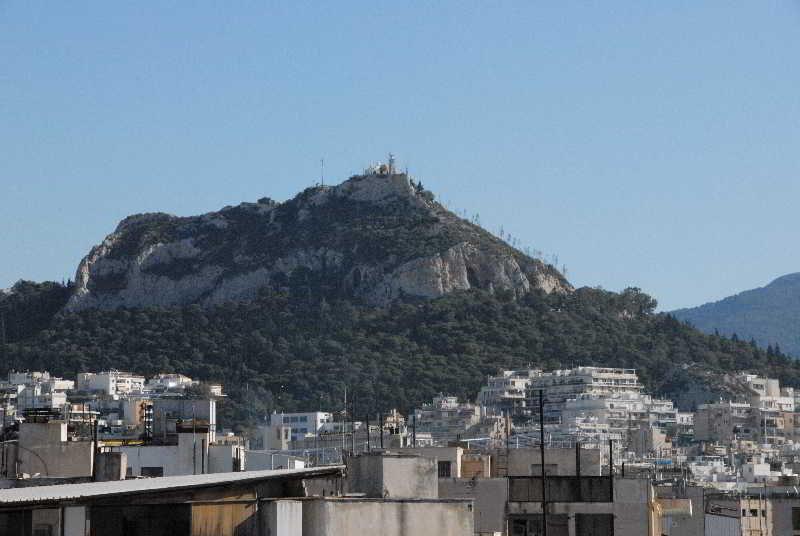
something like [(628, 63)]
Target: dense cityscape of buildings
[(728, 467)]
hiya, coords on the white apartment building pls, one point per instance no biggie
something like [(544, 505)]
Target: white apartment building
[(111, 382), (766, 393), (445, 417), (504, 394), (558, 386), (169, 382), (37, 390), (301, 424), (598, 403)]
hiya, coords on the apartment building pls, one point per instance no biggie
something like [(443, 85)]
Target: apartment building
[(445, 418), (111, 382), (301, 424), (504, 394)]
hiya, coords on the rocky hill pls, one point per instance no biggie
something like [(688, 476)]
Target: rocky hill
[(769, 315), (370, 286), (374, 238)]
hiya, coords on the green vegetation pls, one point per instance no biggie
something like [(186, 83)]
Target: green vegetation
[(289, 352), (767, 315)]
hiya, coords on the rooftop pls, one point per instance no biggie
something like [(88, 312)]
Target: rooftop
[(46, 494)]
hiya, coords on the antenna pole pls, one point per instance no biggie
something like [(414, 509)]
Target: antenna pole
[(322, 171)]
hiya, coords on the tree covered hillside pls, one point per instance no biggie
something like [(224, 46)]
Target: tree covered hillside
[(770, 315), (285, 351)]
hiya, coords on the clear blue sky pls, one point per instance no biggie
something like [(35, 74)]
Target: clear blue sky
[(654, 144)]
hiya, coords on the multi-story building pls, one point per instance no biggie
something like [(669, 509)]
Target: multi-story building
[(169, 382), (37, 390), (302, 423), (505, 394), (724, 422), (111, 382), (446, 418), (766, 416), (558, 386)]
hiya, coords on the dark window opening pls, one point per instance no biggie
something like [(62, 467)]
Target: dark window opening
[(444, 469), (152, 471)]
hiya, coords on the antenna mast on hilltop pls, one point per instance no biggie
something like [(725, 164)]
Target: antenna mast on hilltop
[(322, 172), (391, 164)]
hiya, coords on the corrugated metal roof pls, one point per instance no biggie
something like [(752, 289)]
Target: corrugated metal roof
[(63, 492)]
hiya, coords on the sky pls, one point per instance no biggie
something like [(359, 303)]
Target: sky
[(649, 144)]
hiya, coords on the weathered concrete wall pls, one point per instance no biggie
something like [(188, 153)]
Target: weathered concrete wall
[(186, 458), (222, 458), (445, 454), (75, 521), (110, 466), (396, 476), (478, 466), (560, 462), (399, 517), (281, 518), (45, 450), (489, 496), (782, 514), (684, 525)]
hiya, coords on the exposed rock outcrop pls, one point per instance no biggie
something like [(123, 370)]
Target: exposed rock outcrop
[(373, 237)]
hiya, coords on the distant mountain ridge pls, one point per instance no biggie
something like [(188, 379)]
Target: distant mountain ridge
[(770, 315)]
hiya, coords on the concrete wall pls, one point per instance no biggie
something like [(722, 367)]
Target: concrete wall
[(379, 475), (476, 465), (175, 459), (222, 458), (448, 454), (688, 526), (336, 517), (521, 460), (111, 466), (43, 449), (257, 460), (75, 523), (281, 518), (489, 496), (782, 514)]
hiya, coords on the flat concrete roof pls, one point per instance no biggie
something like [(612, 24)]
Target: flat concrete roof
[(64, 492)]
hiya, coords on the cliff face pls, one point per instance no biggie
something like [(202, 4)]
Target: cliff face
[(373, 238)]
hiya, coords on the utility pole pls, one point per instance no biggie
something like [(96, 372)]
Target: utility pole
[(194, 440), (353, 422), (414, 429), (541, 456), (344, 421)]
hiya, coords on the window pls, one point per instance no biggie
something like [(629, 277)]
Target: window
[(594, 524), (754, 512), (152, 471), (444, 469), (795, 518)]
